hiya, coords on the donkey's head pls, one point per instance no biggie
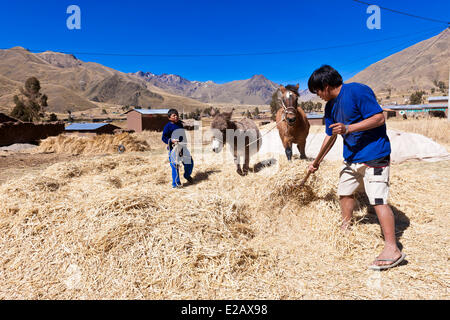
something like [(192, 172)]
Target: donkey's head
[(289, 100), (219, 125)]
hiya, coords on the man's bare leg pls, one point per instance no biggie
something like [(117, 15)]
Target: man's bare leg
[(387, 222), (347, 207)]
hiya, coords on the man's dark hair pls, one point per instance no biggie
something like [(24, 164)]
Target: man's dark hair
[(171, 112), (325, 75)]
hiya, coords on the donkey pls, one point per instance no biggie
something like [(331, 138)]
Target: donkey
[(292, 123), (243, 137)]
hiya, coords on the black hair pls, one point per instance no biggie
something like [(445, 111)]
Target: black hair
[(171, 112), (325, 75)]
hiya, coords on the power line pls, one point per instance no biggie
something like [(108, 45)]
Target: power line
[(415, 38), (404, 13), (371, 56), (232, 54), (383, 51)]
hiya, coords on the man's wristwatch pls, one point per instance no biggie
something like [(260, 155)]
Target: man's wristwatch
[(346, 129)]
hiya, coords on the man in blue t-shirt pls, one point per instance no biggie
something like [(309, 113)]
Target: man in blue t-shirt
[(352, 111), (173, 135)]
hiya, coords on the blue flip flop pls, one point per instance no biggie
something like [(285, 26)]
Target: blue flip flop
[(395, 262)]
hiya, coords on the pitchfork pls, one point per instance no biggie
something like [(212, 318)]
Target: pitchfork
[(320, 156)]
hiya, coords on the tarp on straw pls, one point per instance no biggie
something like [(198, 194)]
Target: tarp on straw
[(404, 145)]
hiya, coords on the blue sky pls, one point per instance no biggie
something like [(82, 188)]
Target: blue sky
[(222, 27)]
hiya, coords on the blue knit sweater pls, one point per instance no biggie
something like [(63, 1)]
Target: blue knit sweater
[(168, 131)]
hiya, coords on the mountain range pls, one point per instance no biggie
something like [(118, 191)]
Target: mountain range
[(75, 85), (256, 90), (72, 84)]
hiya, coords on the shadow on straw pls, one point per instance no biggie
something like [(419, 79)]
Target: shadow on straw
[(402, 221), (263, 164), (203, 175)]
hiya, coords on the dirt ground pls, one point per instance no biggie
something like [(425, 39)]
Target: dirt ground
[(17, 164)]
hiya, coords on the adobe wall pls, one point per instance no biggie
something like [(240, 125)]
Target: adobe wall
[(154, 122), (134, 121), (25, 132), (5, 118)]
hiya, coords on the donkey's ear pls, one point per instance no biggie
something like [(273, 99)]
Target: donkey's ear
[(297, 86), (228, 115), (282, 88)]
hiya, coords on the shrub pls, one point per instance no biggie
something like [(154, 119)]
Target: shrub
[(416, 97), (31, 105)]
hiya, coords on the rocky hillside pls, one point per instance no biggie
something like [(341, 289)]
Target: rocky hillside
[(256, 90), (72, 84), (418, 67)]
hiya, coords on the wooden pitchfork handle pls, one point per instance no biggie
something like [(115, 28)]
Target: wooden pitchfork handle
[(320, 156)]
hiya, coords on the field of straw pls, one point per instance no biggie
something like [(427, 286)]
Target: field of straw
[(109, 226), (435, 128)]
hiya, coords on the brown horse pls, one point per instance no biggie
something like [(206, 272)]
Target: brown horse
[(243, 138), (292, 123)]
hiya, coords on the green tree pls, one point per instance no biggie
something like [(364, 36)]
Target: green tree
[(208, 111), (69, 117), (308, 106), (256, 112), (416, 97), (30, 105), (20, 111), (442, 86), (318, 107), (53, 117), (274, 105)]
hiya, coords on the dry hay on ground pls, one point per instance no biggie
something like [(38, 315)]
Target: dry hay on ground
[(100, 144), (435, 128), (111, 227)]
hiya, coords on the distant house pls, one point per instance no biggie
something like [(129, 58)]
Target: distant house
[(146, 119), (437, 110), (438, 100), (90, 129)]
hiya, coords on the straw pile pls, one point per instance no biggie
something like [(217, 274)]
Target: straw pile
[(100, 144), (112, 227)]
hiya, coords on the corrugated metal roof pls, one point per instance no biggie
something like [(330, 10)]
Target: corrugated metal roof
[(84, 126), (150, 111), (413, 106), (315, 115), (437, 98)]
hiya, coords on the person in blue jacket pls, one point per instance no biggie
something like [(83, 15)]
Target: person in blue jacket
[(352, 111), (173, 134)]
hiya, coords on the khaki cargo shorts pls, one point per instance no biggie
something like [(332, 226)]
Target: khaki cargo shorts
[(358, 177)]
